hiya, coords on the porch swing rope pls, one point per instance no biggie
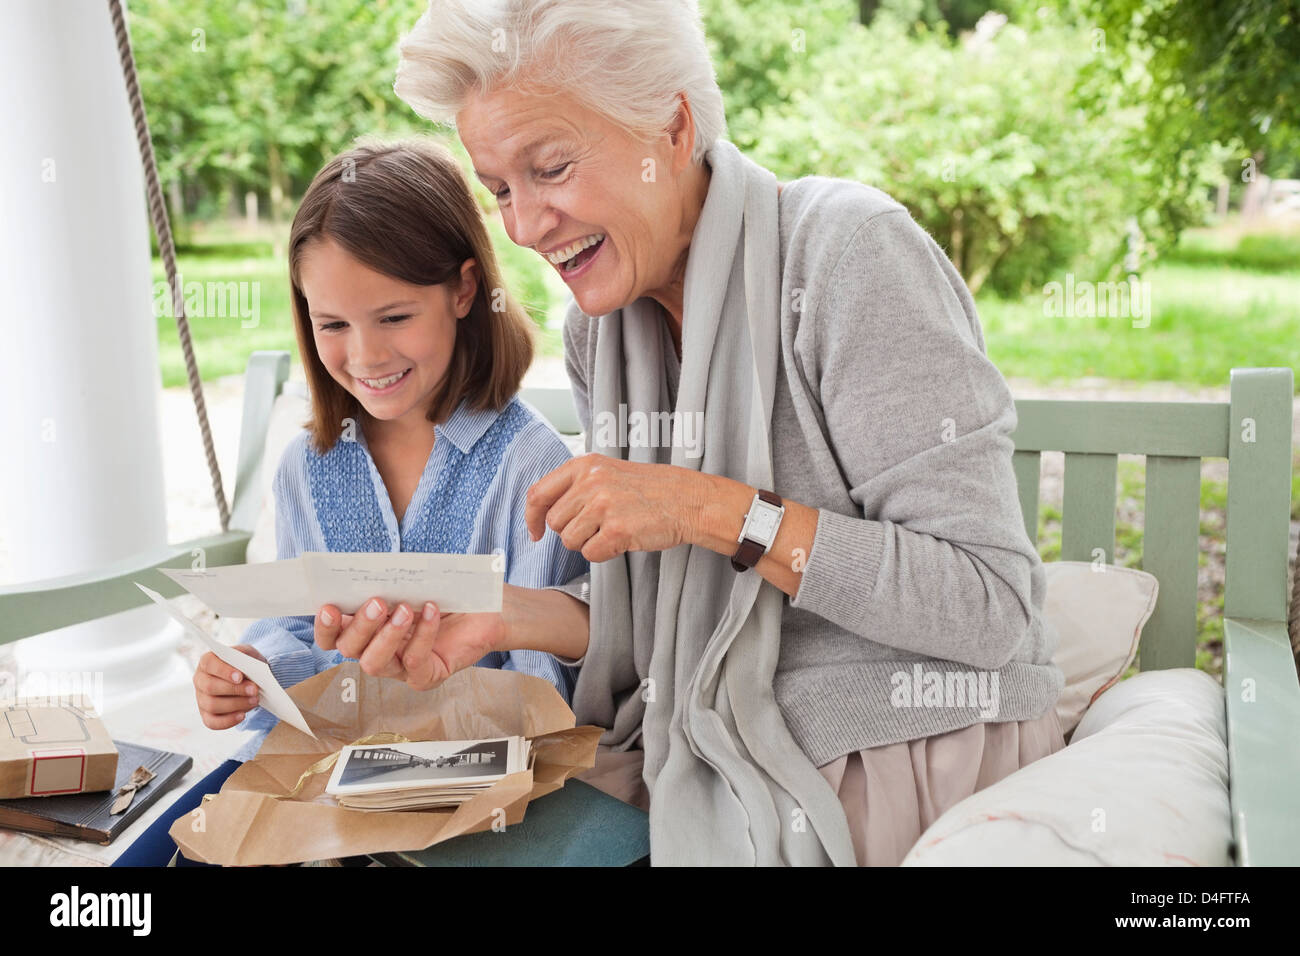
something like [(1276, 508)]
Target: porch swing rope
[(161, 225)]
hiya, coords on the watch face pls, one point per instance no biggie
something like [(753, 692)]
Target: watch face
[(762, 524)]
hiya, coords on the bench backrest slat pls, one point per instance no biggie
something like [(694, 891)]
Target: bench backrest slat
[(1170, 551), (263, 381), (1259, 493), (1028, 466), (1185, 429), (1088, 508)]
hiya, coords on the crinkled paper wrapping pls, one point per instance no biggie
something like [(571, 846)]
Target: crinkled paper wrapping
[(247, 824)]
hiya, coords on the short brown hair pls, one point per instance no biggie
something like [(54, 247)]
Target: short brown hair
[(406, 209)]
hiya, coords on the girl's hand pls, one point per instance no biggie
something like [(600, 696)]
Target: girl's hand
[(604, 506), (223, 693)]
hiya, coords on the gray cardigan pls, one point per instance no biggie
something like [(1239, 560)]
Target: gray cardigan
[(920, 606)]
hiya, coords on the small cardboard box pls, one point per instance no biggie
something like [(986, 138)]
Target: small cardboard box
[(53, 749)]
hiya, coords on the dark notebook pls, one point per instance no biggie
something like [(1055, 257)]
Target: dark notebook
[(85, 816), (576, 825)]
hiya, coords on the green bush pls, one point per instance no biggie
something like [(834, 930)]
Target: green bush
[(1258, 252), (1017, 153)]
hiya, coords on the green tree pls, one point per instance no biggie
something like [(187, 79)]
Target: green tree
[(256, 95), (1230, 69), (1017, 150), (955, 15)]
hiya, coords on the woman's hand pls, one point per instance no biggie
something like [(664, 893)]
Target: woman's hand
[(604, 506), (223, 693), (450, 643), (421, 651)]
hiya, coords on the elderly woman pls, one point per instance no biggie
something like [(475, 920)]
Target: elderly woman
[(813, 608)]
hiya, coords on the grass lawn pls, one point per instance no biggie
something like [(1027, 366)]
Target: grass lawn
[(1212, 309)]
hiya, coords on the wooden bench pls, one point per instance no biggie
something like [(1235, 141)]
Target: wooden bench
[(1252, 430)]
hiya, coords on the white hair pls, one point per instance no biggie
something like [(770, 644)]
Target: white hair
[(626, 59)]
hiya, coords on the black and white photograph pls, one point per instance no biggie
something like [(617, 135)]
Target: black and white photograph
[(423, 764)]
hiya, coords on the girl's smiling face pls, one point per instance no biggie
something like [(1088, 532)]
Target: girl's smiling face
[(369, 327)]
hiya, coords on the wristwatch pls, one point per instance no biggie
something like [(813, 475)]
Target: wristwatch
[(759, 530)]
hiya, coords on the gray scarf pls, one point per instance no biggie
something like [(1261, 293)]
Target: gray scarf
[(683, 649)]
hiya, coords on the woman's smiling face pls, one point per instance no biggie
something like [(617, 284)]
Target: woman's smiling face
[(570, 183), (368, 326)]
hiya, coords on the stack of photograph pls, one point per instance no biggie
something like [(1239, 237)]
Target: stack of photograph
[(423, 774)]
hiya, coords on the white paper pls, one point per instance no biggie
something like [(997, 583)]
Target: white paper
[(272, 589), (273, 697), (468, 583), (454, 582)]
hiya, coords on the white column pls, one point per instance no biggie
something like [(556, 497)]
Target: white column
[(81, 472)]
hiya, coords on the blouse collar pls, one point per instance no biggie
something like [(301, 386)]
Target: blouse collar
[(463, 428)]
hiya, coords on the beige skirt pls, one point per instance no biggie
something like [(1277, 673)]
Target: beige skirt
[(890, 794)]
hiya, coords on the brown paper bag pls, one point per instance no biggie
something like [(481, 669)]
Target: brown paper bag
[(250, 822)]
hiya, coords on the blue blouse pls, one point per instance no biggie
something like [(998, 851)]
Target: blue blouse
[(470, 500)]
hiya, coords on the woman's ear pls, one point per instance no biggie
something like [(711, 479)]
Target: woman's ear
[(468, 287), (681, 133)]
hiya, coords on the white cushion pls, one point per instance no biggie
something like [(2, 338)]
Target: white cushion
[(1144, 782), (1099, 615)]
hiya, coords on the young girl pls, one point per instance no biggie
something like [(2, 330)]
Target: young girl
[(417, 442)]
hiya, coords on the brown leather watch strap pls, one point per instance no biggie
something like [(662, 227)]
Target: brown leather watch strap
[(750, 551), (746, 555)]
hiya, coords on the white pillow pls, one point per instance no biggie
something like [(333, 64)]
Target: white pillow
[(1144, 782), (290, 410), (1099, 616)]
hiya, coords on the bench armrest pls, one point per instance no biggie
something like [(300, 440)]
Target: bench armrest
[(1262, 693), (35, 607)]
